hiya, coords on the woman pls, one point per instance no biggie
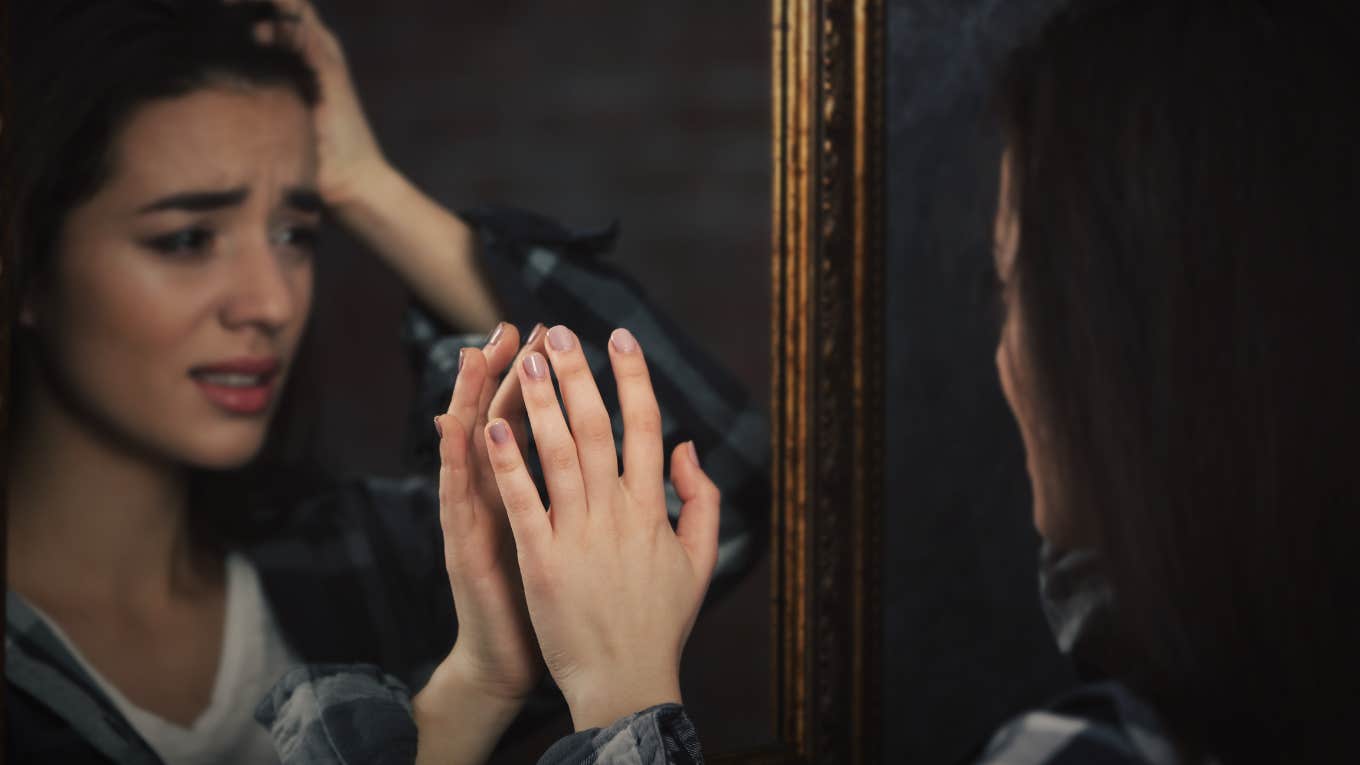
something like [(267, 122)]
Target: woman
[(166, 165), (1176, 249)]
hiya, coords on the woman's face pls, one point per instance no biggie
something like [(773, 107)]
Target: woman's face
[(1009, 351), (181, 288)]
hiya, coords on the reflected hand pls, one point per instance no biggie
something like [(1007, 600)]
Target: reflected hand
[(479, 688), (349, 158), (612, 591), (495, 651)]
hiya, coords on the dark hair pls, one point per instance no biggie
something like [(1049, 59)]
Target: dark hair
[(1185, 176), (81, 68)]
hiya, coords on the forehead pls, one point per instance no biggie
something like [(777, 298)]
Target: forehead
[(219, 137)]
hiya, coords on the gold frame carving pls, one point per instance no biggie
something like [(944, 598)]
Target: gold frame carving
[(827, 386)]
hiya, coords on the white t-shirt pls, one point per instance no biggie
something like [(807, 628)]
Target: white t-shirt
[(254, 656)]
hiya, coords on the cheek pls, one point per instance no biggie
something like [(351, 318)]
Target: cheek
[(125, 320)]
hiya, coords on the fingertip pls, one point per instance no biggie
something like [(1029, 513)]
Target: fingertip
[(623, 341), (535, 335), (498, 433)]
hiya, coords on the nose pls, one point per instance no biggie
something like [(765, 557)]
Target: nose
[(261, 292)]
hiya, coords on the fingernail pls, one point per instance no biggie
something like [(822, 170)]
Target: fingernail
[(499, 433), (462, 352), (538, 330), (438, 428), (496, 334), (533, 364), (693, 453), (623, 340), (559, 338)]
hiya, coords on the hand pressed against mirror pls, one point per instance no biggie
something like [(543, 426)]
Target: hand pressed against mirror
[(217, 532)]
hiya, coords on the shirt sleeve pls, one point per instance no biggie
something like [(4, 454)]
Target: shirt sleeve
[(333, 714), (543, 272), (661, 735)]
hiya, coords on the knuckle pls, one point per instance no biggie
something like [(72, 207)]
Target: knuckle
[(559, 459), (646, 422), (596, 433)]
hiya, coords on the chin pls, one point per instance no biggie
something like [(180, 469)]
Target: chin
[(227, 451)]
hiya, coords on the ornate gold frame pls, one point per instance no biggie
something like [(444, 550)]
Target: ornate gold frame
[(827, 387)]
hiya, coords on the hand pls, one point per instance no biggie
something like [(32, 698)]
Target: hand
[(494, 665), (349, 158), (612, 591)]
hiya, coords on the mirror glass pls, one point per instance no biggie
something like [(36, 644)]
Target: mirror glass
[(634, 141)]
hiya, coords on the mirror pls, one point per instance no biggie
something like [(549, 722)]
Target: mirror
[(587, 115)]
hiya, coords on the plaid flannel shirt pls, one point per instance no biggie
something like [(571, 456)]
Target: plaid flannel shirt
[(329, 715), (354, 575)]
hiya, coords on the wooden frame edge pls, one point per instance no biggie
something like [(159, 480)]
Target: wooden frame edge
[(827, 382)]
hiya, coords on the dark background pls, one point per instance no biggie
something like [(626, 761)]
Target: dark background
[(655, 114), (965, 642)]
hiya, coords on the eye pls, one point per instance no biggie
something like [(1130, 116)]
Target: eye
[(185, 243), (301, 238)]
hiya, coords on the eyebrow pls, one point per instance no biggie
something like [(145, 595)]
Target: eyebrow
[(197, 201), (302, 199)]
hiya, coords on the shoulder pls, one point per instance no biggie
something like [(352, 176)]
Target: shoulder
[(1098, 723)]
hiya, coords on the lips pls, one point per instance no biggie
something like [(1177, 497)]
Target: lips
[(239, 386)]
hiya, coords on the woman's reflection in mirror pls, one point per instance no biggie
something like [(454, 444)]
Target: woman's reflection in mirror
[(171, 552)]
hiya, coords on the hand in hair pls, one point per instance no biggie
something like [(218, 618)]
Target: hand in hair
[(478, 689), (349, 158), (612, 590)]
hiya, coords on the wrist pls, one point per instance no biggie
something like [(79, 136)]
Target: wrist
[(459, 720), (600, 704)]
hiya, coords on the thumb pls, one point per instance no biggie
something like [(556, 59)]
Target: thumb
[(698, 526)]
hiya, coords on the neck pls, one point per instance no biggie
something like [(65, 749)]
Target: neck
[(91, 519)]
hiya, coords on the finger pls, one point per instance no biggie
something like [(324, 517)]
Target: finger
[(698, 527), (589, 419), (556, 447), (501, 346), (500, 350), (467, 389), (643, 454), (508, 403), (528, 522), (456, 511)]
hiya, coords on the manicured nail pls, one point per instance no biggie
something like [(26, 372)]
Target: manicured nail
[(538, 330), (462, 353), (438, 428), (559, 338), (499, 433), (693, 453), (533, 364), (496, 334), (623, 341)]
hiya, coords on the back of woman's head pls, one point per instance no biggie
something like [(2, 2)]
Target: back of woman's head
[(1185, 180)]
